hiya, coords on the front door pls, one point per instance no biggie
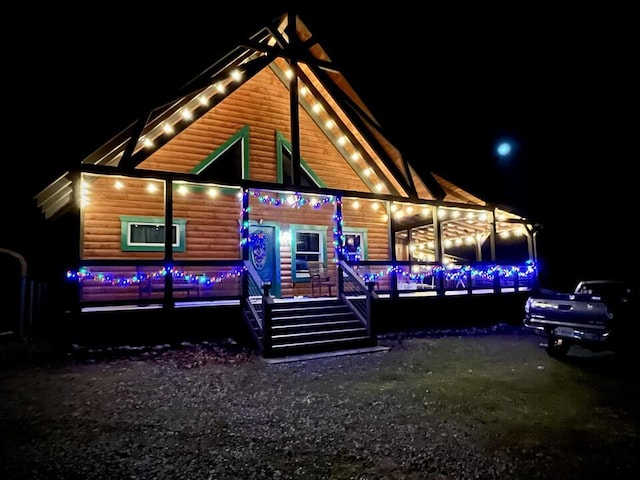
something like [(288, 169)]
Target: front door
[(263, 253)]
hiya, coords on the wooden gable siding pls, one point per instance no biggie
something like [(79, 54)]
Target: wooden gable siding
[(262, 103), (211, 228)]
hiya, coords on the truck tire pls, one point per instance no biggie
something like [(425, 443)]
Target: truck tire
[(557, 347)]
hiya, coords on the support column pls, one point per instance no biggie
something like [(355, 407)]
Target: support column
[(338, 237), (244, 228), (393, 277), (437, 251), (492, 238), (168, 245)]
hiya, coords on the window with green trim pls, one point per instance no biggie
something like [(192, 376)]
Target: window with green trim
[(355, 244), (146, 234), (308, 243), (230, 162), (308, 178), (287, 171)]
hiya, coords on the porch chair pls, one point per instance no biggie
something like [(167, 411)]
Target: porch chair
[(319, 276)]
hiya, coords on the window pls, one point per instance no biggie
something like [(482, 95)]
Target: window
[(287, 171), (149, 234), (146, 234), (352, 247), (230, 162), (307, 243), (285, 167), (355, 244)]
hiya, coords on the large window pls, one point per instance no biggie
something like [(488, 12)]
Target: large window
[(146, 234), (307, 244)]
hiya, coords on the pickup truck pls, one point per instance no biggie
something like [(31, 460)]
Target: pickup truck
[(598, 315)]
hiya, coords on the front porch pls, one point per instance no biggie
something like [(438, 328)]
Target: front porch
[(232, 297)]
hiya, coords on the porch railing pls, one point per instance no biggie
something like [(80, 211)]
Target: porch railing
[(357, 292), (149, 283), (257, 305), (103, 283), (402, 278)]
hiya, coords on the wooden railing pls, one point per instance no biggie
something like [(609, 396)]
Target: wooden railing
[(257, 305), (402, 278), (357, 293), (147, 282)]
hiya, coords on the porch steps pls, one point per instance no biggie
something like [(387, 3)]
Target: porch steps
[(315, 326)]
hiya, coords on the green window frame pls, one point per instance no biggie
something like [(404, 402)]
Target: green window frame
[(127, 223), (307, 172), (298, 256), (241, 136), (359, 249)]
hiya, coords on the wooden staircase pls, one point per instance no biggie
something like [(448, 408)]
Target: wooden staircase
[(313, 326)]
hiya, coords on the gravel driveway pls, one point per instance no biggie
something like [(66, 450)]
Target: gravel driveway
[(469, 404)]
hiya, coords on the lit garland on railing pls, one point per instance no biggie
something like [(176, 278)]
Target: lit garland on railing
[(120, 280), (490, 272)]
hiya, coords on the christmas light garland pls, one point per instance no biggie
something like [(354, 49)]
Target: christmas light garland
[(203, 279)]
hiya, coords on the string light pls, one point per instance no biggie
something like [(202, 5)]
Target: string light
[(83, 275), (295, 200)]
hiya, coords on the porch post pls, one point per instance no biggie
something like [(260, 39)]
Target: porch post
[(535, 258), (76, 182), (293, 99), (478, 248), (338, 243), (437, 251), (338, 238), (168, 245), (530, 242), (393, 277), (492, 238), (244, 228)]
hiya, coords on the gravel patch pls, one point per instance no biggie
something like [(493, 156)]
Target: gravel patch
[(215, 410)]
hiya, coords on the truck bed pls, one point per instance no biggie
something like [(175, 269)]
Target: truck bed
[(598, 315)]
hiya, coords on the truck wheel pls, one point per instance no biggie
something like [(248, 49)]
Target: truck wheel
[(557, 347)]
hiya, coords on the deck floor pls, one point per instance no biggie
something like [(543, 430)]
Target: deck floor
[(217, 303)]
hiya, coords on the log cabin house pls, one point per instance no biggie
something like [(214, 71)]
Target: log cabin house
[(265, 162)]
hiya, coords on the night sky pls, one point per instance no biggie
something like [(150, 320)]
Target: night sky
[(446, 86)]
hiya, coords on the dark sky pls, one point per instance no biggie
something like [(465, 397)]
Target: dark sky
[(446, 85)]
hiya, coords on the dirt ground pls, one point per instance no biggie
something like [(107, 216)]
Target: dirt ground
[(459, 404)]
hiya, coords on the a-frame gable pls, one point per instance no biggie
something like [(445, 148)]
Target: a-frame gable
[(376, 165)]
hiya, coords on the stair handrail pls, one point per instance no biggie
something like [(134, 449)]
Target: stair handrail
[(260, 311), (359, 296)]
